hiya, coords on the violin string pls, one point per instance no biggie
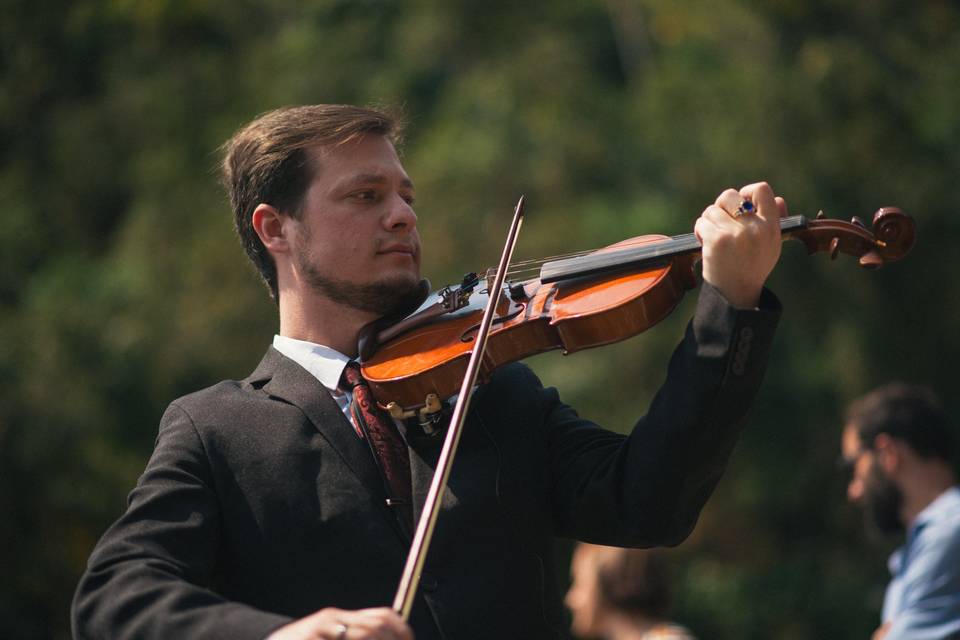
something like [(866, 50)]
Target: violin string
[(576, 254), (539, 262), (523, 274), (531, 267), (561, 256)]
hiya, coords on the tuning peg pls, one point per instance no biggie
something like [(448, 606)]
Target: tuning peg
[(821, 215), (834, 248), (857, 221)]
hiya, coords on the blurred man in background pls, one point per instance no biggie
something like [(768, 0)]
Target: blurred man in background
[(621, 594), (899, 452)]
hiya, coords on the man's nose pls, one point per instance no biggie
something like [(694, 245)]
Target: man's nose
[(401, 214)]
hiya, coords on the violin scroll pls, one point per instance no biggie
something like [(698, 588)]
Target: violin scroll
[(896, 230), (892, 237)]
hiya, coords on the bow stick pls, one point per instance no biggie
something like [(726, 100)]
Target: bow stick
[(410, 579)]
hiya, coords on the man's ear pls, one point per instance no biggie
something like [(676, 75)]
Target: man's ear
[(272, 227), (888, 453)]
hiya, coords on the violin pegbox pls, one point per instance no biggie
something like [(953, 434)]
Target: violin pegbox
[(891, 238)]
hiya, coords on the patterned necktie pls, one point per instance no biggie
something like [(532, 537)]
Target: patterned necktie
[(384, 438)]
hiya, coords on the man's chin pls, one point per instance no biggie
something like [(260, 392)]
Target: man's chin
[(386, 297), (881, 507), (403, 295)]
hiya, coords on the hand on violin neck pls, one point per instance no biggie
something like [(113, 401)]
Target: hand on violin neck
[(741, 243)]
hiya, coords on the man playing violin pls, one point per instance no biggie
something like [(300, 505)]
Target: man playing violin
[(263, 511)]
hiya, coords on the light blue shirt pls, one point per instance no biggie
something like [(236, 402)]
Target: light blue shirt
[(923, 598)]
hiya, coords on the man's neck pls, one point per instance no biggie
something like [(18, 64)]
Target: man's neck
[(323, 321), (926, 484)]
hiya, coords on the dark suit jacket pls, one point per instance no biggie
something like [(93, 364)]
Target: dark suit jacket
[(261, 505)]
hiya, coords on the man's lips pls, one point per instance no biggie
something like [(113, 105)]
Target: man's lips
[(407, 249)]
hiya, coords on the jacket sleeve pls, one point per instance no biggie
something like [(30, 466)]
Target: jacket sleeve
[(648, 488), (148, 576)]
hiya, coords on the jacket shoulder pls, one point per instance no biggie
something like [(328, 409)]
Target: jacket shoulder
[(227, 401)]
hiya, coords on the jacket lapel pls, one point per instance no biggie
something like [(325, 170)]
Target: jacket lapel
[(288, 381)]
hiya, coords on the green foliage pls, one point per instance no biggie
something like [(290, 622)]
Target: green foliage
[(121, 286)]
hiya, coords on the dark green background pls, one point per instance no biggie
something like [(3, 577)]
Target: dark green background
[(122, 287)]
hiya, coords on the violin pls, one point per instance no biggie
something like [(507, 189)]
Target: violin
[(575, 303)]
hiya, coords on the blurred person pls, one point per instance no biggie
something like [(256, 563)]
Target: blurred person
[(621, 594), (899, 452), (283, 504)]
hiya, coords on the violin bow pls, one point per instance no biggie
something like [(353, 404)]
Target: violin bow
[(412, 570)]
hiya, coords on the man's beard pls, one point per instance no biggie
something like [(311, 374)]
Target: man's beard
[(384, 298), (882, 500)]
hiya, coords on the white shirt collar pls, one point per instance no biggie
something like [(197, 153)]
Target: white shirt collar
[(324, 363)]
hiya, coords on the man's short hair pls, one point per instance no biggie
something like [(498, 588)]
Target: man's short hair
[(268, 162), (911, 413)]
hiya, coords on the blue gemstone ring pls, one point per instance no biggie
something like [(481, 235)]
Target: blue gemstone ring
[(746, 206)]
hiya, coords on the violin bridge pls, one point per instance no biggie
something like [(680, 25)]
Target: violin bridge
[(491, 275)]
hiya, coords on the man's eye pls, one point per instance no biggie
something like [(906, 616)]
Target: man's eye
[(409, 200), (365, 195)]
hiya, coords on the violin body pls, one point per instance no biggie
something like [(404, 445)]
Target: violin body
[(579, 303)]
